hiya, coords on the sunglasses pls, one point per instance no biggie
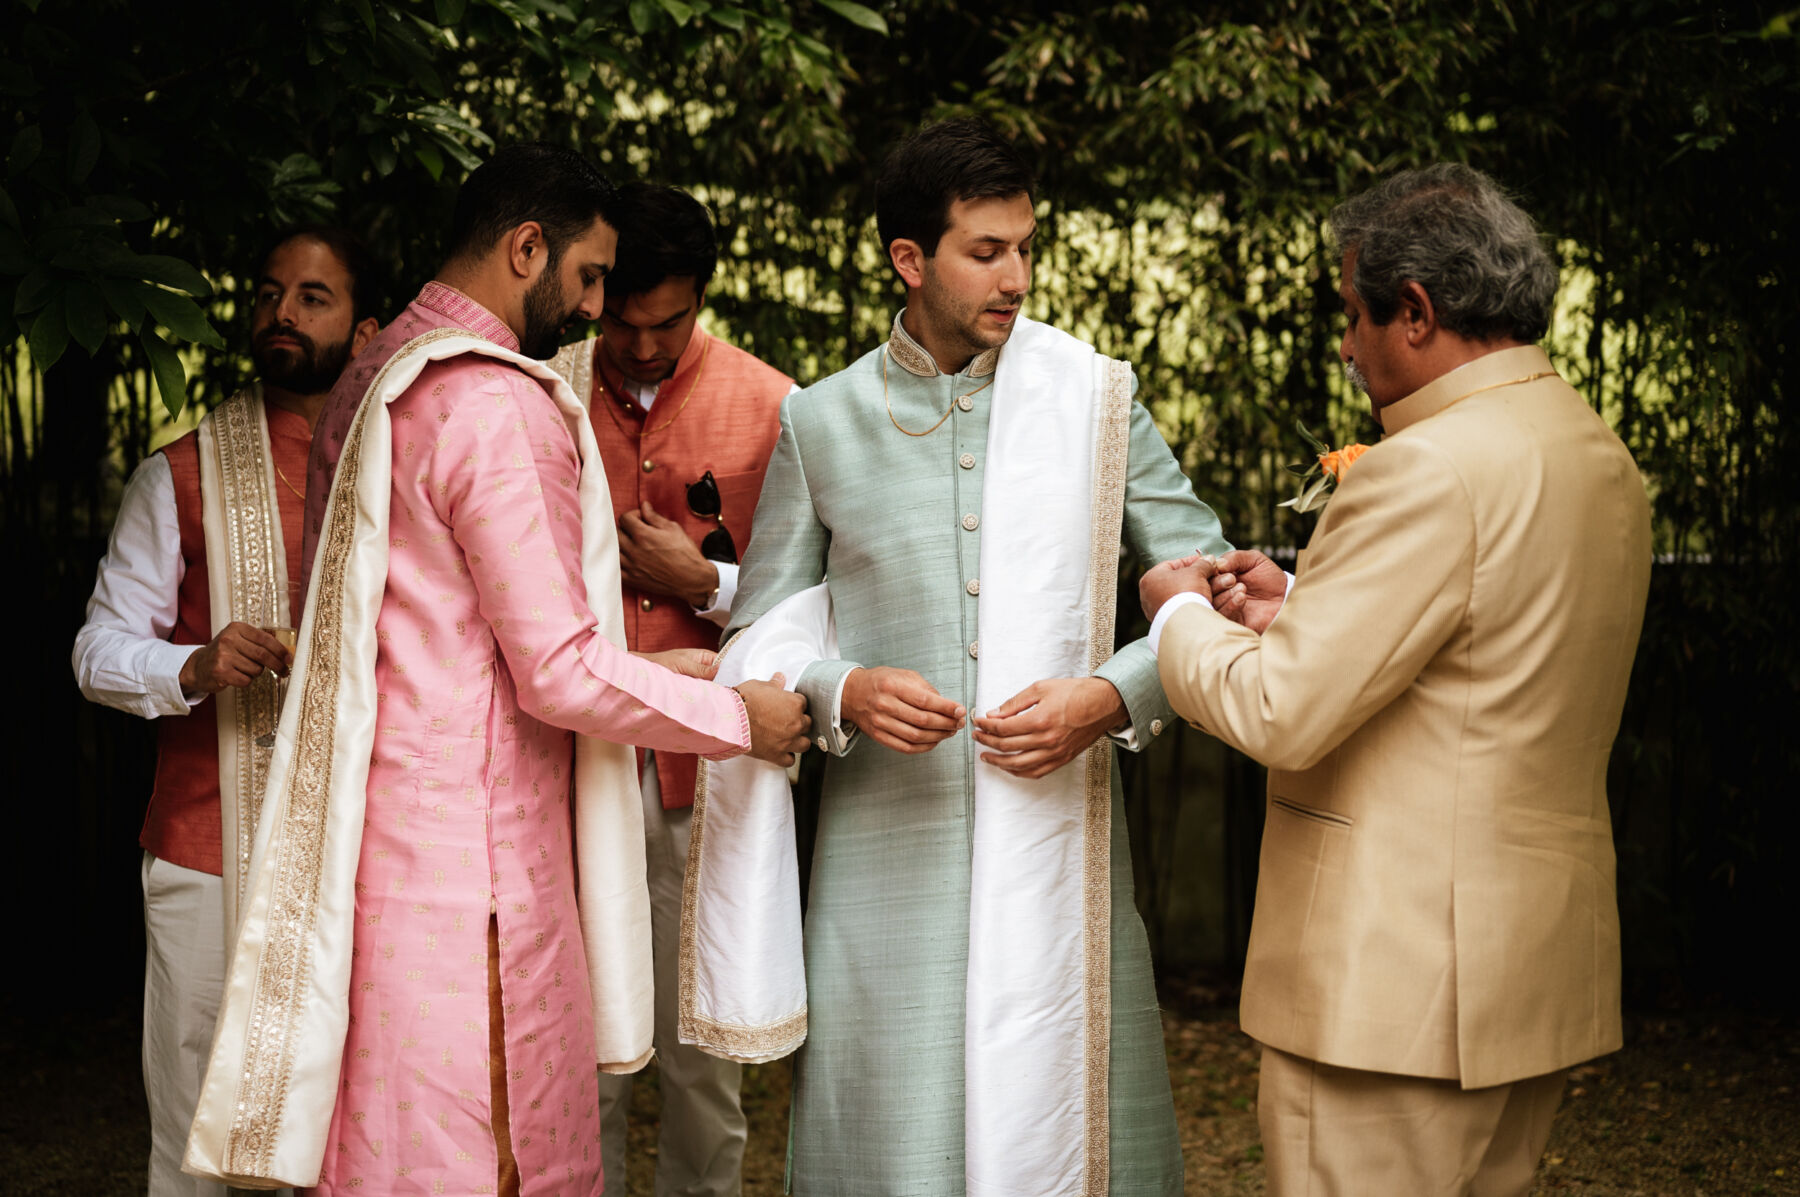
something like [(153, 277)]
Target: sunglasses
[(704, 501)]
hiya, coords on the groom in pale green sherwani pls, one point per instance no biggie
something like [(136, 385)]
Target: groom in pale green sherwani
[(876, 486)]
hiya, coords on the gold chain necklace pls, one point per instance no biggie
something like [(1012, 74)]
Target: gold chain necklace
[(888, 401), (600, 377), (300, 494)]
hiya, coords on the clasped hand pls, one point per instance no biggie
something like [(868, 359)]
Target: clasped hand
[(1243, 585), (1033, 733), (656, 556)]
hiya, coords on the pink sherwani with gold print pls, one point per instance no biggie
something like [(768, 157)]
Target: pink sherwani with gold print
[(488, 661)]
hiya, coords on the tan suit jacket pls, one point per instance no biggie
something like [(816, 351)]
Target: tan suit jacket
[(1436, 703)]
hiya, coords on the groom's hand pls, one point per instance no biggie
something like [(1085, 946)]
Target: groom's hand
[(1049, 723), (779, 725), (1187, 575), (1248, 588), (898, 708)]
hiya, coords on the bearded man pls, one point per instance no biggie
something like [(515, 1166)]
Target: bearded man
[(195, 577), (979, 1014), (447, 926)]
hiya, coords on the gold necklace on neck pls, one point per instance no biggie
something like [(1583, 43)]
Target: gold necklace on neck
[(297, 491), (699, 369), (888, 401)]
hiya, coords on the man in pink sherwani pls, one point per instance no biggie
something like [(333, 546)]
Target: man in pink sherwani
[(487, 661)]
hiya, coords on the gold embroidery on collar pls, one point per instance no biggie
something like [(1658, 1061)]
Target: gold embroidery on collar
[(912, 357)]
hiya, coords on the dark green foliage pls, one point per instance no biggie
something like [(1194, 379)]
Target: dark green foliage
[(1188, 156)]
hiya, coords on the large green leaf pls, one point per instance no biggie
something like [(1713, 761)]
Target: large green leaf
[(181, 316), (84, 148), (170, 272), (85, 311), (34, 291), (166, 368), (126, 299), (49, 334), (857, 14), (27, 144)]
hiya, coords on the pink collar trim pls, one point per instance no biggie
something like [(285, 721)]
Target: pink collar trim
[(452, 304)]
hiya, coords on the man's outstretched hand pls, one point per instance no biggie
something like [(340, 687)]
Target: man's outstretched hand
[(779, 725), (1248, 588), (898, 708), (235, 657), (1187, 575), (1048, 724)]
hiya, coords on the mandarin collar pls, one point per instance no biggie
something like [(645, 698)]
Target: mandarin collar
[(452, 304), (911, 356), (1487, 371)]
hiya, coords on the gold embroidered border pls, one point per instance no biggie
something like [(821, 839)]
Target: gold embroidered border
[(278, 995), (757, 1043), (1111, 456), (576, 364), (252, 531)]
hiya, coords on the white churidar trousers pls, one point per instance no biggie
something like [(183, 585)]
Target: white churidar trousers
[(184, 977)]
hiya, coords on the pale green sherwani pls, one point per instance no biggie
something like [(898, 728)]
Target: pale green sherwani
[(893, 521)]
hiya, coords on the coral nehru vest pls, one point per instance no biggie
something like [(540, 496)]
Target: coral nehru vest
[(720, 411), (182, 825)]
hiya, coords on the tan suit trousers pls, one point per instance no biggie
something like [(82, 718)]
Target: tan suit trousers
[(700, 1144), (1341, 1132)]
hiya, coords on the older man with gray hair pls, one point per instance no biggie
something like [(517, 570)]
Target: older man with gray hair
[(1436, 937)]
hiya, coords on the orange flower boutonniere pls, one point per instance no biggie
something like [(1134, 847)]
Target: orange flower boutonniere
[(1319, 478)]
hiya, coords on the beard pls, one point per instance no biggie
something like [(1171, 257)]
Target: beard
[(547, 312), (960, 319), (312, 370), (1355, 377)]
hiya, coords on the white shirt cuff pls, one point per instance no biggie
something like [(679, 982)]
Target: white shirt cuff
[(1185, 599), (720, 611)]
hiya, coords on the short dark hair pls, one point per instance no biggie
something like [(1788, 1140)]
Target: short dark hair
[(1455, 232), (663, 233), (960, 159), (366, 290), (559, 189)]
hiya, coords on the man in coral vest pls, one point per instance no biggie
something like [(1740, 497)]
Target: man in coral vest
[(686, 424), (195, 575)]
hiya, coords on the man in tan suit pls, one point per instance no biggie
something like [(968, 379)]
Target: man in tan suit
[(1436, 938)]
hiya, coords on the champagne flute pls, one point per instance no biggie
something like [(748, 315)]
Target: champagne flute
[(289, 639)]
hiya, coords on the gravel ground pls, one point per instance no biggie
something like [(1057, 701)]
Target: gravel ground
[(1697, 1105)]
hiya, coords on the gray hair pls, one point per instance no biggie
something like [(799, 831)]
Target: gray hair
[(1453, 231)]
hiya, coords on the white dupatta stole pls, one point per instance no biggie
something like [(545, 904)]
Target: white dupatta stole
[(247, 581), (271, 1086), (1038, 1018)]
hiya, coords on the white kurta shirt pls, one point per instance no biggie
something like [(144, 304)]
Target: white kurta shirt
[(122, 655)]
